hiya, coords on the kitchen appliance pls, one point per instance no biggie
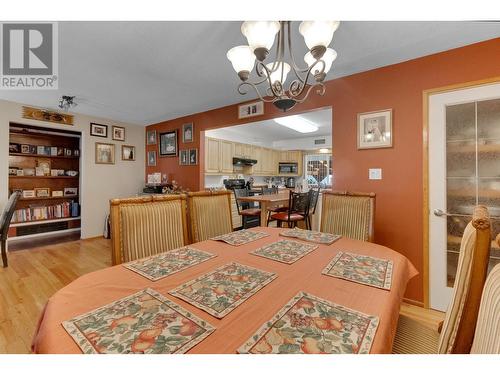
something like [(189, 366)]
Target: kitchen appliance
[(290, 182), (288, 168), (234, 183), (244, 162)]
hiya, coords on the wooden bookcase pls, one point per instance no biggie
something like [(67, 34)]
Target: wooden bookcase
[(37, 136)]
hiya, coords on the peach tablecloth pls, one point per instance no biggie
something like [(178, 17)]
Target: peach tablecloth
[(102, 287)]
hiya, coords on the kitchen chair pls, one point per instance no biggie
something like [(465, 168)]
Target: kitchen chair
[(5, 220), (312, 207), (145, 226), (245, 210), (298, 209), (272, 210), (457, 333), (209, 214), (348, 214)]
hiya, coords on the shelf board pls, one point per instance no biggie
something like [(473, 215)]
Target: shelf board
[(43, 156), (45, 177), (45, 221), (48, 198)]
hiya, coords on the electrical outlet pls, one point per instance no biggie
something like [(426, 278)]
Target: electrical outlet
[(375, 173)]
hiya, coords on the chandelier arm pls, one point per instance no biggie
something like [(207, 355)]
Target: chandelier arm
[(255, 89), (320, 91), (295, 67), (297, 86)]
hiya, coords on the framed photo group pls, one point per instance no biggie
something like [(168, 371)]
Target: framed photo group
[(105, 152), (168, 145), (99, 130), (189, 157)]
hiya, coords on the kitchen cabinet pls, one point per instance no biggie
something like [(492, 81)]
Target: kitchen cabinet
[(226, 156), (257, 155), (212, 151)]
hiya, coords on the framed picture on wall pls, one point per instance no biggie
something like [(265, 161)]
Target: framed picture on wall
[(98, 130), (193, 156), (151, 158), (118, 133), (104, 153), (168, 143), (151, 137), (184, 157), (375, 129), (128, 153), (187, 133)]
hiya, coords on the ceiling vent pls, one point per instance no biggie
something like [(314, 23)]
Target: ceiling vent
[(320, 141)]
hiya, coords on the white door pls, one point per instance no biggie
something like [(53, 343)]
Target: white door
[(464, 170)]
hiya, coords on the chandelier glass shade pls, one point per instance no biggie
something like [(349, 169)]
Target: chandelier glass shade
[(261, 36)]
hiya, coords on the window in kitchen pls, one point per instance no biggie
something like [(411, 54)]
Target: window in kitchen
[(319, 170)]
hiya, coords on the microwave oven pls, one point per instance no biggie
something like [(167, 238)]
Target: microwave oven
[(288, 168)]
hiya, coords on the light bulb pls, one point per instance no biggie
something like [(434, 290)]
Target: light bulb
[(328, 58)]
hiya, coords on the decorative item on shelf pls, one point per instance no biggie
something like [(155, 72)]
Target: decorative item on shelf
[(98, 130), (53, 151), (66, 102), (154, 178), (187, 133), (42, 192), (46, 115), (250, 109), (25, 149), (33, 149), (151, 158), (19, 173), (168, 143), (29, 171), (71, 173), (76, 153), (14, 148), (44, 166), (39, 172), (68, 152), (40, 150), (151, 137), (13, 171), (375, 129), (118, 133), (104, 153), (261, 36), (128, 153), (57, 193), (193, 156), (70, 192), (54, 172), (60, 151), (29, 194), (184, 157)]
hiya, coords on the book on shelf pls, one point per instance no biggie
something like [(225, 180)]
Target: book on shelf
[(37, 213)]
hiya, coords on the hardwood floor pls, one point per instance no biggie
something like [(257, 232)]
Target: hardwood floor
[(34, 275), (31, 279)]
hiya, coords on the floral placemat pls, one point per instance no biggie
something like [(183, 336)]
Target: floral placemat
[(219, 292), (240, 237), (285, 251), (311, 236), (311, 325), (159, 266), (362, 269), (144, 322)]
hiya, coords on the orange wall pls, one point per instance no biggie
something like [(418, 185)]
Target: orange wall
[(398, 221)]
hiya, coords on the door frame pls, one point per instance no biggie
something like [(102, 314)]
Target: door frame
[(425, 180)]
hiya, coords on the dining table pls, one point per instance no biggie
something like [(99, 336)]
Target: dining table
[(99, 288), (266, 201)]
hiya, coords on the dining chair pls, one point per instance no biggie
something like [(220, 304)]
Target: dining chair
[(457, 332), (312, 206), (487, 335), (5, 220), (209, 214), (348, 214), (248, 214), (298, 209), (273, 209), (145, 226)]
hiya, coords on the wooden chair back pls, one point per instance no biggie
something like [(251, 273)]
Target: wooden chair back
[(349, 214), (145, 226), (461, 316), (487, 335), (209, 214)]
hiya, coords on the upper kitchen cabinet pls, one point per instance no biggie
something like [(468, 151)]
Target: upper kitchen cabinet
[(226, 156), (218, 156)]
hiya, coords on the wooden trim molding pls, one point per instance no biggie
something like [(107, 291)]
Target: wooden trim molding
[(425, 176)]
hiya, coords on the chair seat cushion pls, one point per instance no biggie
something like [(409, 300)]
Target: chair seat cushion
[(251, 212), (283, 216), (278, 209)]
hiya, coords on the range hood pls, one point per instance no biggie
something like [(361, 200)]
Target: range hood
[(244, 162)]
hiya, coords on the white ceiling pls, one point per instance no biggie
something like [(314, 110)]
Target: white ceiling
[(268, 132), (146, 72)]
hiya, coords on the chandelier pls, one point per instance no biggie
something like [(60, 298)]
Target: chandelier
[(272, 76)]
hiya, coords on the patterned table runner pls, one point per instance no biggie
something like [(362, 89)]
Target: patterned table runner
[(311, 236), (285, 251), (162, 265), (362, 269), (144, 322), (219, 292), (240, 237), (311, 325)]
